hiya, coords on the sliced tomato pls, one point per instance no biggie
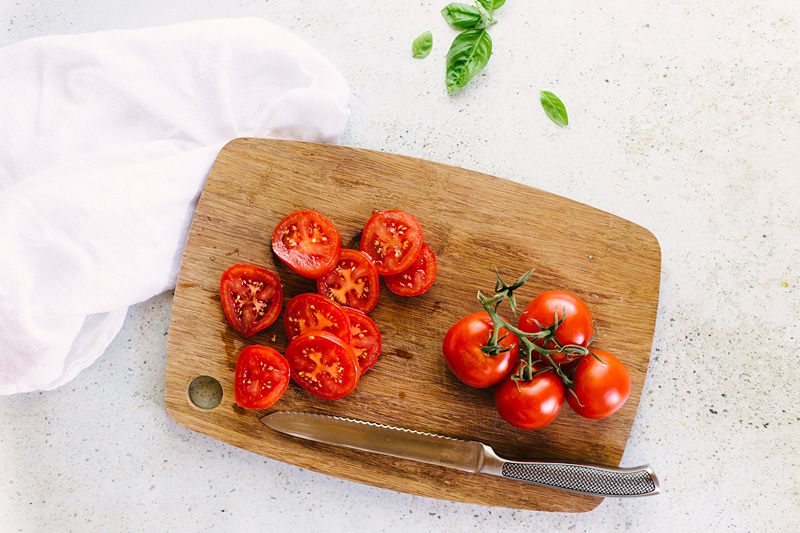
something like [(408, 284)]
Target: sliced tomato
[(252, 298), (353, 282), (312, 312), (417, 278), (366, 343), (261, 377), (393, 240), (308, 243), (323, 364)]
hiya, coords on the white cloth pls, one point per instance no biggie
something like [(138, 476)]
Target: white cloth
[(106, 140)]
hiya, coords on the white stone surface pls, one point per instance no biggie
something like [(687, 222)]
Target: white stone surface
[(684, 118)]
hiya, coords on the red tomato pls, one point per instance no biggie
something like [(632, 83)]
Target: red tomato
[(530, 404), (353, 282), (417, 278), (261, 377), (252, 298), (311, 312), (393, 240), (308, 243), (577, 328), (323, 364), (366, 343), (601, 388), (462, 351)]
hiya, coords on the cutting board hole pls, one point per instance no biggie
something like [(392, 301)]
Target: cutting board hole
[(205, 392)]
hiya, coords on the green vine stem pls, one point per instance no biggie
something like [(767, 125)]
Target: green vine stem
[(527, 344)]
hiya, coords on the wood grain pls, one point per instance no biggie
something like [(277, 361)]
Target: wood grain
[(474, 223)]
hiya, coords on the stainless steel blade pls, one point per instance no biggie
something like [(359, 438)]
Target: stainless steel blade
[(378, 438)]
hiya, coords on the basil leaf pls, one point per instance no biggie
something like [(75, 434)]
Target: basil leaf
[(492, 5), (462, 16), (422, 45), (467, 56), (554, 108)]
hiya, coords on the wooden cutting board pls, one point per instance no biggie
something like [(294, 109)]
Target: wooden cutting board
[(474, 223)]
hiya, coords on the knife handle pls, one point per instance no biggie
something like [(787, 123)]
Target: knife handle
[(581, 478)]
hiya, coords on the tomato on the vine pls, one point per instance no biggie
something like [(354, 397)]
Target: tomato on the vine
[(462, 351), (366, 341), (602, 386), (308, 243), (530, 404), (576, 328), (393, 240), (312, 312), (323, 364), (353, 282), (251, 297), (417, 278), (261, 377)]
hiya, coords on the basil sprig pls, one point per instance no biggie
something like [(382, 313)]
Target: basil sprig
[(472, 48), (422, 45)]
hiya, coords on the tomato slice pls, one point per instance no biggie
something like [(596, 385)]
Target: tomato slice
[(393, 240), (353, 282), (323, 364), (312, 312), (417, 278), (261, 377), (252, 298), (308, 243), (366, 343)]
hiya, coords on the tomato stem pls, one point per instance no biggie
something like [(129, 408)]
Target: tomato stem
[(528, 346)]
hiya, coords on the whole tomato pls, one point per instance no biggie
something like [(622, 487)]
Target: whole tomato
[(530, 404), (602, 386), (462, 351), (576, 328)]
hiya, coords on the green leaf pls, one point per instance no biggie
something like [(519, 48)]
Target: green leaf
[(462, 16), (554, 108), (422, 45), (467, 56), (492, 5)]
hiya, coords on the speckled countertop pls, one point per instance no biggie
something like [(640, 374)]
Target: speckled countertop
[(684, 118)]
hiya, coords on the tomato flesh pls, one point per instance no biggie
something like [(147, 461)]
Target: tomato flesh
[(313, 312), (251, 297), (323, 364), (393, 240), (602, 387), (261, 377), (308, 243), (462, 351), (530, 404), (417, 278), (577, 327), (366, 343), (353, 282)]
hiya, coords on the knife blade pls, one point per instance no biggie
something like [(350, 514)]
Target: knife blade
[(467, 456)]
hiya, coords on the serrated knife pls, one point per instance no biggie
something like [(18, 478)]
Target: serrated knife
[(467, 456)]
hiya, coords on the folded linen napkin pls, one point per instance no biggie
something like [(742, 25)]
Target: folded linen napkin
[(106, 140)]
